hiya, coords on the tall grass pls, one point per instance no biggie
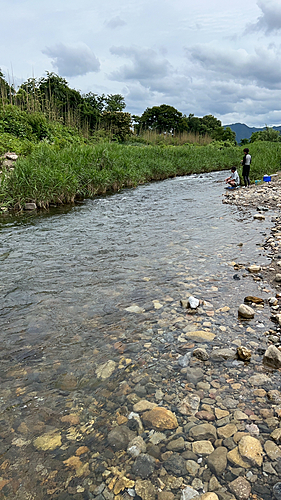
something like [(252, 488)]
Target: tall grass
[(152, 137), (50, 175), (266, 158)]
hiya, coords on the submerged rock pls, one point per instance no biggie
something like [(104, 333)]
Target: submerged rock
[(160, 418), (272, 357)]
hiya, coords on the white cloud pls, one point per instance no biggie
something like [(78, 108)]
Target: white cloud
[(270, 20), (263, 66), (72, 60), (145, 65)]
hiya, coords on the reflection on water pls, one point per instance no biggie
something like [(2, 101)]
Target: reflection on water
[(68, 276)]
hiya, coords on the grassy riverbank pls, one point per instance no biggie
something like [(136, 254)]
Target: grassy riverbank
[(55, 175)]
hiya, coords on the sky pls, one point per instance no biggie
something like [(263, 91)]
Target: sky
[(218, 57)]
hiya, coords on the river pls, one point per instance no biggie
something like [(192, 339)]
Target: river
[(68, 280)]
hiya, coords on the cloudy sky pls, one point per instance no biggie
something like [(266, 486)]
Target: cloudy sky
[(219, 57)]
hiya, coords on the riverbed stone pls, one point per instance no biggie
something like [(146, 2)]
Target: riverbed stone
[(217, 460), (160, 419), (193, 375), (235, 458), (189, 493), (144, 466), (136, 446), (193, 303), (30, 206), (244, 353), (272, 357), (201, 354), (226, 431), (192, 467), (200, 335), (145, 489), (105, 370), (208, 496), (144, 405), (277, 491), (251, 450), (223, 354), (272, 450), (176, 444), (49, 441), (203, 432), (184, 361), (246, 311), (165, 495), (276, 435), (189, 405), (205, 415), (254, 268), (203, 448), (120, 436), (175, 465), (241, 488), (221, 413), (259, 379)]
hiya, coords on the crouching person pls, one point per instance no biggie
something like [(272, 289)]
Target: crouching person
[(233, 180)]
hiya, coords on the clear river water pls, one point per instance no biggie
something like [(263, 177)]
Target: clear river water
[(68, 280)]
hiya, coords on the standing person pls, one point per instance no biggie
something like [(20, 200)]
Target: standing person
[(246, 162), (233, 179)]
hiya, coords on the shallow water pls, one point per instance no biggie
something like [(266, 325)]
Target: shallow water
[(67, 278)]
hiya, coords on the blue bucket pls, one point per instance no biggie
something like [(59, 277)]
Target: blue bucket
[(267, 178)]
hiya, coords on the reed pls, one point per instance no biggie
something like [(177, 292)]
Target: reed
[(53, 175)]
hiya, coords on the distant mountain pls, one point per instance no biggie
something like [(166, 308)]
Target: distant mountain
[(242, 131)]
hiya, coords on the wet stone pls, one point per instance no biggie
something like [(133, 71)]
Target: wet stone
[(143, 466), (203, 432), (193, 375), (175, 465), (145, 490), (120, 437), (217, 460), (189, 493), (277, 491), (241, 488)]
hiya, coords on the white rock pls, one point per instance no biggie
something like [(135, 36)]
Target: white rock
[(136, 447), (188, 493), (246, 311), (193, 302)]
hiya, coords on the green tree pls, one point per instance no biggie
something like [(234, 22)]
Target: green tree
[(269, 134), (7, 92), (162, 118), (115, 102)]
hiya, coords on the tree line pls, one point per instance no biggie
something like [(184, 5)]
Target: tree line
[(51, 96)]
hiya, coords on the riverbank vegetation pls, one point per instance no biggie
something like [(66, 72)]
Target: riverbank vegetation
[(74, 146)]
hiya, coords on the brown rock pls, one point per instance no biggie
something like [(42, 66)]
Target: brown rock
[(166, 495), (243, 353), (235, 458), (160, 418), (250, 450), (241, 488), (145, 489), (205, 415)]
